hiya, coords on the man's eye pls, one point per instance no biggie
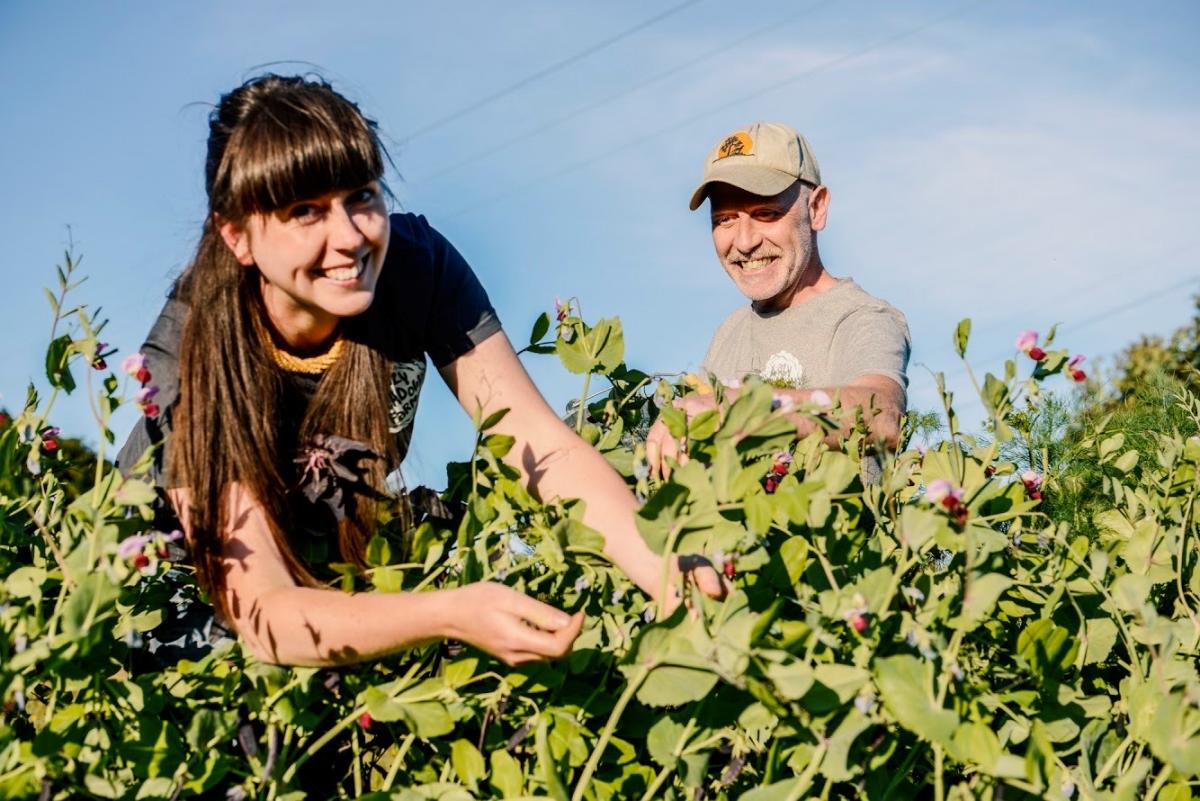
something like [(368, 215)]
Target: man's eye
[(767, 215), (724, 222)]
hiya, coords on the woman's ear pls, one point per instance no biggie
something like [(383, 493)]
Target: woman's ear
[(236, 239)]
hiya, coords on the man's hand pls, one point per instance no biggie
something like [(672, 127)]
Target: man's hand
[(661, 446)]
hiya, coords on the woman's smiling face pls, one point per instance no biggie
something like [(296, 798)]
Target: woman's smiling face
[(319, 259)]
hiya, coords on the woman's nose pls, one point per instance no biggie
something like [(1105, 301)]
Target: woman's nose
[(344, 233)]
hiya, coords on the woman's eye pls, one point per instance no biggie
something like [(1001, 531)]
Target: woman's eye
[(363, 196), (302, 211)]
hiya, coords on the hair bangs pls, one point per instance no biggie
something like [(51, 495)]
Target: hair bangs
[(299, 149)]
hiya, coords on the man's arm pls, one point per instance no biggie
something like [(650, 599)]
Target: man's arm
[(880, 398)]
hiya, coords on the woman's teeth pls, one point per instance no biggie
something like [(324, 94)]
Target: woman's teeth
[(347, 273)]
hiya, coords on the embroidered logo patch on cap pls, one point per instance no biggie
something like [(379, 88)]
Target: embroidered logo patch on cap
[(736, 144)]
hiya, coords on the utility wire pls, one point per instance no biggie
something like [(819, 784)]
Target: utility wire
[(1083, 290), (626, 146), (580, 110), (545, 71), (1095, 318)]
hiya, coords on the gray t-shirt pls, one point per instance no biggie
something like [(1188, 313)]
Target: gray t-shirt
[(826, 341)]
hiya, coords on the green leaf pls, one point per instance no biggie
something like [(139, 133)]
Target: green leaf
[(467, 762), (835, 766), (91, 601), (903, 683), (135, 492), (791, 680), (499, 444), (1101, 634), (962, 333), (918, 525), (609, 345), (506, 774), (1047, 648), (662, 738), (779, 791), (704, 425), (976, 744), (57, 370), (985, 590), (1110, 445), (541, 327), (379, 551), (492, 420), (1127, 461), (673, 685)]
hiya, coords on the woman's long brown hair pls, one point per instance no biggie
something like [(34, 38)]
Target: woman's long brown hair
[(272, 141)]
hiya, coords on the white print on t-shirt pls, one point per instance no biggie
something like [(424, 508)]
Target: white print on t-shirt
[(785, 369), (407, 378)]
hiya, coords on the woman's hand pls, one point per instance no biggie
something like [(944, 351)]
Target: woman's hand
[(510, 625)]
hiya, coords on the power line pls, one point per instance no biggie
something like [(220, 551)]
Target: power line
[(587, 107), (626, 146), (1083, 290), (1095, 318), (545, 71)]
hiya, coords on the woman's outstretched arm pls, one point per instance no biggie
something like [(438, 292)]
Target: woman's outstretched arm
[(284, 623), (556, 462)]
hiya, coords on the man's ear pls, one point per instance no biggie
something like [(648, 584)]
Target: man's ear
[(236, 239), (818, 206)]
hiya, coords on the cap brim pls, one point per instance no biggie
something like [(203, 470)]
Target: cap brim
[(755, 179)]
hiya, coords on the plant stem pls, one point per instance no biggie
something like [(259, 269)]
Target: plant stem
[(583, 398), (810, 772), (594, 760), (394, 768)]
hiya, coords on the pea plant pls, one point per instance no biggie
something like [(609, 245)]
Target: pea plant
[(900, 625)]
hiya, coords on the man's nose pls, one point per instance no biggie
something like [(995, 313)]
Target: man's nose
[(344, 231), (746, 236)]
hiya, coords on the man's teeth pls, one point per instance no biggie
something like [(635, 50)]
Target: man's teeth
[(754, 265)]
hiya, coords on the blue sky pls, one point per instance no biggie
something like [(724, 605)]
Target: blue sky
[(1021, 163)]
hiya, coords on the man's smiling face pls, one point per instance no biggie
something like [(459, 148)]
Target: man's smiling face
[(767, 243)]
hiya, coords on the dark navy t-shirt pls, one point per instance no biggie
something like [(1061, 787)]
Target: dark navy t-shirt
[(437, 307)]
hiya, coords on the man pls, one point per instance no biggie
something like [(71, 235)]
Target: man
[(817, 337)]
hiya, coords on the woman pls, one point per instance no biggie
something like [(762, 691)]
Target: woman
[(303, 323)]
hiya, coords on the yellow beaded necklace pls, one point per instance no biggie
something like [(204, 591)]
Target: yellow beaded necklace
[(308, 365)]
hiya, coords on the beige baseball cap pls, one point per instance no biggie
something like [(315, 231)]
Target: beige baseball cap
[(764, 159)]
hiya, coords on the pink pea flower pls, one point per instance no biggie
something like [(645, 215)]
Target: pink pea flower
[(1026, 341), (560, 310), (821, 398), (132, 546), (132, 363), (1073, 371), (943, 492), (1031, 480), (145, 394)]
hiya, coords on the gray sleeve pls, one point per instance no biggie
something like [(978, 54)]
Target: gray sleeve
[(161, 349), (872, 340)]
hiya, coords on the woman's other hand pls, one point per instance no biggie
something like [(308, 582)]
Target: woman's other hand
[(510, 625)]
